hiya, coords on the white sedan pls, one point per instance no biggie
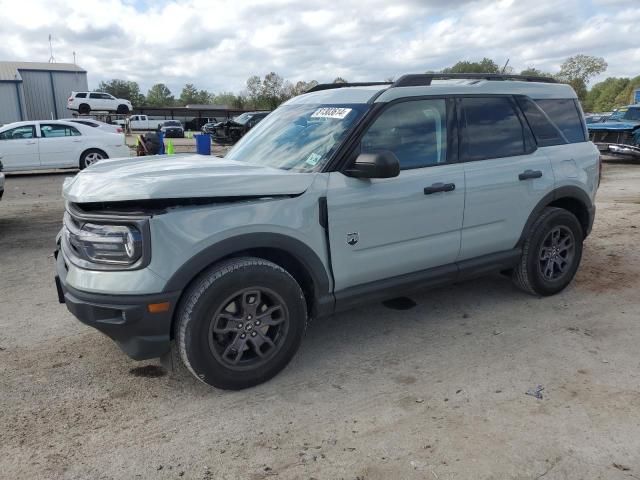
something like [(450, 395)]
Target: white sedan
[(51, 144)]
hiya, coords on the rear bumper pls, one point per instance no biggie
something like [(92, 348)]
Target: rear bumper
[(123, 318)]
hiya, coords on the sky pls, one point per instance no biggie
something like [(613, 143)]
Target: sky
[(217, 45)]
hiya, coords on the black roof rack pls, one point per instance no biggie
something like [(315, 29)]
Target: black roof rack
[(329, 86), (424, 79)]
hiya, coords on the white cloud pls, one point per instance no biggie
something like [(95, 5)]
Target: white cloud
[(218, 45)]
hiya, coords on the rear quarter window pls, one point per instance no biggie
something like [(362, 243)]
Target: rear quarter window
[(566, 115), (81, 95)]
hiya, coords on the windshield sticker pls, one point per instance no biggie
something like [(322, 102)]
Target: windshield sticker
[(326, 112), (313, 159)]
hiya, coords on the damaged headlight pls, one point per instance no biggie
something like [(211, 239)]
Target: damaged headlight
[(104, 246)]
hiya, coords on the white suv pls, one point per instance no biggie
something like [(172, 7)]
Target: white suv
[(85, 102)]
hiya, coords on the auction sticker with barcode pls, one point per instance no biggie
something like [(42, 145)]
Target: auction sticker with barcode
[(328, 112)]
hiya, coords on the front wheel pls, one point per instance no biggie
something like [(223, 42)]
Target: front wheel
[(551, 254), (240, 323), (90, 157)]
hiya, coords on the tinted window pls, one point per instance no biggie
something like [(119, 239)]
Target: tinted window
[(564, 113), (545, 132), (416, 132), (81, 95), (56, 130), (19, 133), (490, 129), (103, 96)]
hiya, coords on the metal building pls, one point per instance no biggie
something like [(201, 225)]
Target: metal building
[(38, 91)]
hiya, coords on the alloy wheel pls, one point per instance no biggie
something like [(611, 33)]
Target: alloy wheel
[(249, 328), (556, 253)]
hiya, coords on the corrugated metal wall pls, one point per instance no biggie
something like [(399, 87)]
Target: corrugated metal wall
[(9, 108), (64, 83), (37, 95), (46, 93)]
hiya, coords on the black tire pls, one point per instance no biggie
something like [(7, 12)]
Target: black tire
[(218, 309), (546, 267), (90, 157), (84, 109), (122, 110)]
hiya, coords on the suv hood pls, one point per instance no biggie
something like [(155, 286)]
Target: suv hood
[(179, 176)]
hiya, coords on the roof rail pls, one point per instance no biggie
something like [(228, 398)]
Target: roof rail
[(424, 79), (330, 86)]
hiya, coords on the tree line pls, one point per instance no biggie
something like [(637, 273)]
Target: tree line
[(266, 93)]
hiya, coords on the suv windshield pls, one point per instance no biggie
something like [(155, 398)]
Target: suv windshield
[(297, 137), (172, 123)]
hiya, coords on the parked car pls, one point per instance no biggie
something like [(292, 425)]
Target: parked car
[(596, 117), (619, 135), (142, 122), (90, 122), (209, 128), (230, 131), (196, 123), (56, 144), (86, 102), (344, 195), (172, 129)]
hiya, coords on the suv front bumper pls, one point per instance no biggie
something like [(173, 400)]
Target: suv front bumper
[(126, 319)]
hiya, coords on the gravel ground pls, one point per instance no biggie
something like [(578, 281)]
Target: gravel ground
[(433, 392)]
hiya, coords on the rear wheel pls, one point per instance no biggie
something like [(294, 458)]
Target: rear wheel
[(551, 254), (84, 109), (240, 323), (90, 157), (122, 109)]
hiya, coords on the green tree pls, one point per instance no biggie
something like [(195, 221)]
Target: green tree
[(339, 80), (189, 94), (254, 90), (123, 89), (228, 99), (534, 72), (578, 70), (272, 91), (486, 65), (602, 96), (160, 96)]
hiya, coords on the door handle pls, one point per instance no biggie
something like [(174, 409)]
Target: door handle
[(528, 174), (30, 143), (439, 187)]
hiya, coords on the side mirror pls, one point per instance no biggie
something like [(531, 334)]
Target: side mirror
[(375, 165)]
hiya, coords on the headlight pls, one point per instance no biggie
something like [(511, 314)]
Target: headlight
[(93, 245), (111, 244)]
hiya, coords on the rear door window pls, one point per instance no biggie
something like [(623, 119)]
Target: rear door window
[(81, 95), (490, 128), (565, 114), (56, 130), (545, 132)]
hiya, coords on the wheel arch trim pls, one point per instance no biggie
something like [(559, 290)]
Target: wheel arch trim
[(240, 244), (566, 192)]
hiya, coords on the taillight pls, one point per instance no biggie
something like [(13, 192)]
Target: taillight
[(69, 99), (119, 130)]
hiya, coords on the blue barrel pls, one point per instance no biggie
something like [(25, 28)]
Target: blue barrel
[(203, 144), (161, 139)]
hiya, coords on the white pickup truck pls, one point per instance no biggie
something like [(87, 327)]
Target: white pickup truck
[(142, 122)]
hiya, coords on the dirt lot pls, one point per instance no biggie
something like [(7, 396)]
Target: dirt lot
[(434, 392)]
